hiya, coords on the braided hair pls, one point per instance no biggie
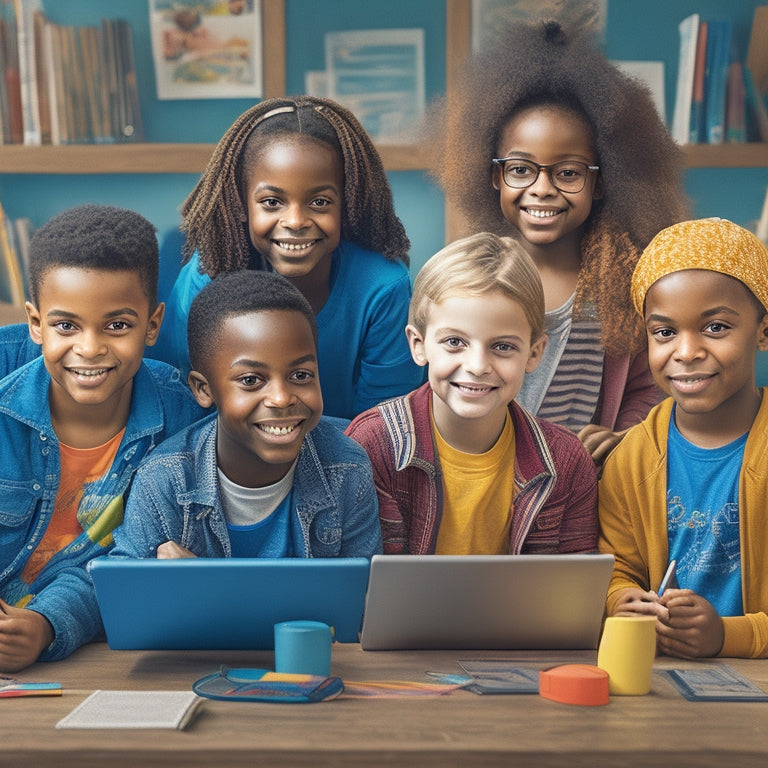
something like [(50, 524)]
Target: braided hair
[(215, 213), (537, 65)]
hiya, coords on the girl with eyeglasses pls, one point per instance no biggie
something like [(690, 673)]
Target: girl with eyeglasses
[(544, 139)]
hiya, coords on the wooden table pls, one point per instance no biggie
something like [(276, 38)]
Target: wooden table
[(460, 729)]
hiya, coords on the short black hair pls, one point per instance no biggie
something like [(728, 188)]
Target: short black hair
[(232, 294), (99, 237)]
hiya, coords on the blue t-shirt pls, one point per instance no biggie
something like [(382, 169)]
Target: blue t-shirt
[(270, 537), (363, 352), (703, 518)]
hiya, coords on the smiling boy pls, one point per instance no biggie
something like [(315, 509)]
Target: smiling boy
[(689, 483), (266, 475), (459, 467), (76, 422)]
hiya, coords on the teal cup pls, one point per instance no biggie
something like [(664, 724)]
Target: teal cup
[(303, 648)]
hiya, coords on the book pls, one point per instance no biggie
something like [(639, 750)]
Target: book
[(756, 112), (25, 35), (11, 279), (14, 125), (718, 57), (697, 125), (134, 709), (688, 30), (735, 110)]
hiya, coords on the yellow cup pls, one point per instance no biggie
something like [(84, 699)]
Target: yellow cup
[(626, 653)]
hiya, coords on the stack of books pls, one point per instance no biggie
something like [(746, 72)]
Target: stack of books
[(62, 84), (14, 248), (721, 99)]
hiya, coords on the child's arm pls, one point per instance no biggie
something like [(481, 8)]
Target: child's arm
[(599, 441), (692, 628), (24, 635)]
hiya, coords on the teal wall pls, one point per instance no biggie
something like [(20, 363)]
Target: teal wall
[(636, 29)]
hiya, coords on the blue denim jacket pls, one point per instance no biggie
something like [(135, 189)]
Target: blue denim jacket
[(29, 479), (175, 497)]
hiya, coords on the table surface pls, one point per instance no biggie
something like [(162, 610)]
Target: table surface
[(459, 729)]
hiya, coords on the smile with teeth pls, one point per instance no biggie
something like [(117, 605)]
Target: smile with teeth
[(88, 372), (278, 430), (472, 388), (295, 246), (539, 214)]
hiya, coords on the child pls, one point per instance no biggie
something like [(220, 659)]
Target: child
[(265, 476), (76, 422), (546, 140), (688, 484), (297, 186), (459, 467)]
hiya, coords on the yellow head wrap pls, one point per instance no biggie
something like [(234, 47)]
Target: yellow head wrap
[(714, 244)]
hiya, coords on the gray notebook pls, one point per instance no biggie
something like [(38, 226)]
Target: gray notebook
[(227, 603), (504, 602)]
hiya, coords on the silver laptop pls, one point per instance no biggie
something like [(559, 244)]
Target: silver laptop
[(509, 602), (229, 603)]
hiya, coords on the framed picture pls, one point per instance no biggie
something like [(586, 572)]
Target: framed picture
[(377, 74), (207, 49)]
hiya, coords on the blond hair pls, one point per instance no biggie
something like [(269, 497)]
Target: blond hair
[(474, 266)]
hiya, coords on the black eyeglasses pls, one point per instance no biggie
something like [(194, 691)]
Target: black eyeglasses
[(567, 176)]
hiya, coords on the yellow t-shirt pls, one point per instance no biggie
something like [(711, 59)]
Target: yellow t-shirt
[(478, 489)]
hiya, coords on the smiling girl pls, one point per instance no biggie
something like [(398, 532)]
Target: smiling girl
[(545, 140), (297, 186)]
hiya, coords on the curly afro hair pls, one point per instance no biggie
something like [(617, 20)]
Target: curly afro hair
[(99, 237), (641, 167)]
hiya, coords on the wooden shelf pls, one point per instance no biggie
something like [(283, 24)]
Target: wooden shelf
[(726, 155), (192, 158), (146, 158)]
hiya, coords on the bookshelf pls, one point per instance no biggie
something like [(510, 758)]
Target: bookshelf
[(145, 158), (192, 158)]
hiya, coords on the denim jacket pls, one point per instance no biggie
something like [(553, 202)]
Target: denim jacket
[(29, 479), (176, 498)]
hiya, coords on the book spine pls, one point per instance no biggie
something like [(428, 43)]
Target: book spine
[(30, 109), (688, 30)]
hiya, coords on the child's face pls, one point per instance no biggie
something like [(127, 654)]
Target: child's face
[(295, 198), (478, 350), (542, 213), (264, 382), (703, 331), (93, 326)]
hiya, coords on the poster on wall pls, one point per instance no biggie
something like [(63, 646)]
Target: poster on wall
[(207, 49), (379, 76)]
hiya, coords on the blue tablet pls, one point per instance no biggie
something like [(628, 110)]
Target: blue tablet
[(225, 604)]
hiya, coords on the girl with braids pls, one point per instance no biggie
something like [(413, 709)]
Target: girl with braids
[(545, 140), (296, 185)]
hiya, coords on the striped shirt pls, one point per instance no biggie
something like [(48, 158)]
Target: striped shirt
[(565, 387)]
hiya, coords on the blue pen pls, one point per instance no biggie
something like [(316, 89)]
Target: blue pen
[(669, 579)]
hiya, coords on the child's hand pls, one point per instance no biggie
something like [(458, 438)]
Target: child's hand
[(693, 628), (635, 602), (24, 635), (170, 550), (599, 441)]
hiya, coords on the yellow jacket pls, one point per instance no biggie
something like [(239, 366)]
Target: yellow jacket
[(633, 522)]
